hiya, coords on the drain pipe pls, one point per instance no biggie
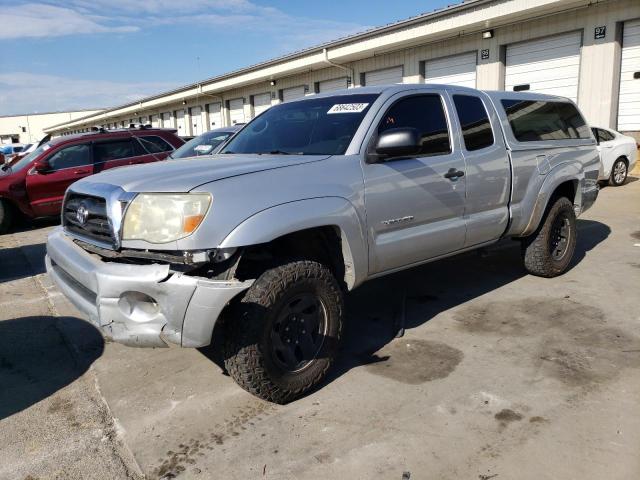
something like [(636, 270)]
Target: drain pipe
[(349, 70)]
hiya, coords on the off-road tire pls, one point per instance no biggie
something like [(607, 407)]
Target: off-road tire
[(249, 351), (6, 216), (620, 163), (536, 249)]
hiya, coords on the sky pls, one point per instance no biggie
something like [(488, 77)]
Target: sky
[(84, 54)]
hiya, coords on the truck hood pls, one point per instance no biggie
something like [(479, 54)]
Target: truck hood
[(185, 174)]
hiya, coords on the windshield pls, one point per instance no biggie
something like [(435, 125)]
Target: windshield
[(205, 144), (25, 161), (317, 126)]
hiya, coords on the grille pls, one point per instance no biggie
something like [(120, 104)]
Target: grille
[(96, 226)]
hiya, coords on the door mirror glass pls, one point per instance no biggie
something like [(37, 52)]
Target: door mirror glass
[(398, 142), (42, 166)]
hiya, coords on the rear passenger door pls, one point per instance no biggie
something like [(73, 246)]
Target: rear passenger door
[(488, 170), (118, 152), (415, 205)]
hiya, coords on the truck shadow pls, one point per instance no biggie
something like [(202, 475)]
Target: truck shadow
[(40, 355), (428, 290), (13, 261), (372, 310)]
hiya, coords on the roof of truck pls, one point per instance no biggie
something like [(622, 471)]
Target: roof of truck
[(402, 87)]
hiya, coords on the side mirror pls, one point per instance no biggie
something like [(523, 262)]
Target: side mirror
[(398, 142), (42, 166)]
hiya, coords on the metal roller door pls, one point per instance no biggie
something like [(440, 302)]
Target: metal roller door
[(331, 85), (166, 120), (383, 77), (196, 120), (215, 116), (261, 103), (144, 120), (629, 100), (236, 111), (155, 123), (293, 93), (180, 125), (549, 65), (454, 70)]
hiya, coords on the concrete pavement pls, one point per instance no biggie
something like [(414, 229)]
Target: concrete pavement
[(500, 375)]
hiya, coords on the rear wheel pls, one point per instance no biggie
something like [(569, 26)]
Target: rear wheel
[(6, 216), (548, 252), (619, 172), (284, 335)]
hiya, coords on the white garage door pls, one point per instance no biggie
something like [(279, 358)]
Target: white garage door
[(383, 77), (215, 116), (144, 120), (261, 103), (236, 111), (629, 102), (180, 125), (155, 123), (454, 70), (196, 121), (292, 93), (166, 120), (331, 85), (549, 65)]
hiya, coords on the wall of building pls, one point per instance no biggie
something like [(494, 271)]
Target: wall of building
[(30, 128), (599, 74)]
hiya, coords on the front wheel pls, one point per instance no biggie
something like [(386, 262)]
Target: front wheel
[(548, 251), (619, 172), (285, 333)]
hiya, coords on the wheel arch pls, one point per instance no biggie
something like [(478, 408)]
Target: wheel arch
[(565, 181), (326, 227)]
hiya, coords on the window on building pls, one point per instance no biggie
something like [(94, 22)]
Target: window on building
[(424, 113), (71, 157), (474, 119), (538, 120)]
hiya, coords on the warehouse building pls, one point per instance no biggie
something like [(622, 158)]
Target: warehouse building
[(29, 128), (586, 50)]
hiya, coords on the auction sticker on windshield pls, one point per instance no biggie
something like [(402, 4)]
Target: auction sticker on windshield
[(348, 108)]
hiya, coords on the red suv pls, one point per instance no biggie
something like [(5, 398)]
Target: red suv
[(34, 185)]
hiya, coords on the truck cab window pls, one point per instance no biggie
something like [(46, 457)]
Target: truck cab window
[(426, 114), (474, 120)]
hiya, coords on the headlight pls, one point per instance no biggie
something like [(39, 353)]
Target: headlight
[(164, 217)]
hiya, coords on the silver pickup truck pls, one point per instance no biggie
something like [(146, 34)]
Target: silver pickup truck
[(308, 201)]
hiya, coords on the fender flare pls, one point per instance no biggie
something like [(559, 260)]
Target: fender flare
[(278, 220), (566, 172)]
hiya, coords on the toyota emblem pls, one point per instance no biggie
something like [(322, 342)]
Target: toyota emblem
[(82, 214)]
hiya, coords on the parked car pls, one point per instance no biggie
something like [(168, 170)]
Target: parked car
[(34, 186), (10, 150), (205, 144), (618, 155), (308, 201)]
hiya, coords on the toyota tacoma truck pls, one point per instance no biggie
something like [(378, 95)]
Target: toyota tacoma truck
[(308, 201)]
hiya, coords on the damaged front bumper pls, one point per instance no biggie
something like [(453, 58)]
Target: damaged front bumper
[(138, 305)]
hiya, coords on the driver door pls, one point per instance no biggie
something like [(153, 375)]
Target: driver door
[(414, 205), (66, 165)]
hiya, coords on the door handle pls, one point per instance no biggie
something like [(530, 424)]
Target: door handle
[(80, 172), (454, 174)]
